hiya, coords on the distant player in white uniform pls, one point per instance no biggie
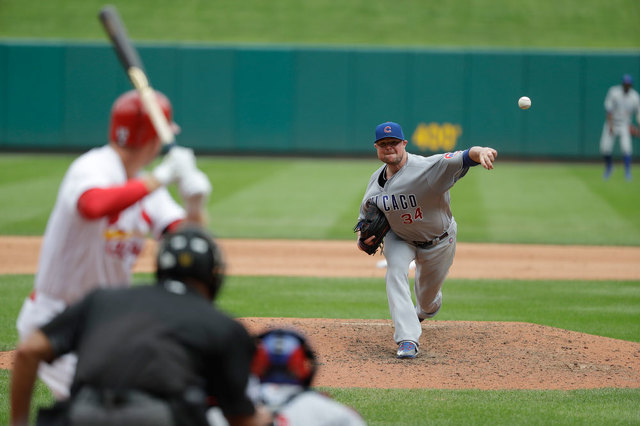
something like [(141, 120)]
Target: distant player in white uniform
[(285, 365), (413, 192), (104, 211), (621, 102)]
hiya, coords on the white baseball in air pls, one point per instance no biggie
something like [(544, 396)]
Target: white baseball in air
[(383, 264), (524, 102)]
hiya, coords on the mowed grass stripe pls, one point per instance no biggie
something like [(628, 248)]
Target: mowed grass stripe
[(28, 189), (525, 23), (603, 308), (319, 198), (229, 175), (500, 407), (35, 200), (621, 195), (547, 203), (303, 199)]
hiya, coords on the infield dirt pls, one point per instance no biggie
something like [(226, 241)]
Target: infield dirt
[(453, 354)]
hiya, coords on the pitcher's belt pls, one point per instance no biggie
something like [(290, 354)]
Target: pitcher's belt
[(427, 244)]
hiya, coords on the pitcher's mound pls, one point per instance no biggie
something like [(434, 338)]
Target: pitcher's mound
[(463, 355)]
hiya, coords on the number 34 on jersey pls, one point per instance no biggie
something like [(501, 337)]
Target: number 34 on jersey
[(408, 218), (402, 202)]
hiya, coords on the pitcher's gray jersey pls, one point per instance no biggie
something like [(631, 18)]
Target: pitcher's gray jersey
[(416, 199)]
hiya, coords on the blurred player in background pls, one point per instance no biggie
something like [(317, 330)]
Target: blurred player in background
[(621, 102), (105, 209), (149, 355), (413, 193), (285, 365)]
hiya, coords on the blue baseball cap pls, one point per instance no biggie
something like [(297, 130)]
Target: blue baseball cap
[(627, 79), (389, 129)]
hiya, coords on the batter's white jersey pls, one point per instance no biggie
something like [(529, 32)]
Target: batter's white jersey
[(416, 199), (79, 255)]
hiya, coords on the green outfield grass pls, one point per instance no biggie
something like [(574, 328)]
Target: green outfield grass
[(298, 198), (610, 309), (448, 407), (471, 407), (523, 23), (604, 308)]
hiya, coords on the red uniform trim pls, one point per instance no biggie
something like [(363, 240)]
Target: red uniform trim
[(96, 203), (173, 225), (146, 217)]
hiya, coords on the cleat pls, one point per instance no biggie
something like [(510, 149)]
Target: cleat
[(407, 349)]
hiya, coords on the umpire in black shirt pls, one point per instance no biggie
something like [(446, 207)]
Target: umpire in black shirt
[(148, 355)]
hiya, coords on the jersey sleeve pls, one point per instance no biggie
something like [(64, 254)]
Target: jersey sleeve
[(162, 210), (63, 331), (99, 202), (448, 169), (95, 169)]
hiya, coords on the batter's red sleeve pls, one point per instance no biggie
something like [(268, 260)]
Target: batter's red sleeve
[(100, 202)]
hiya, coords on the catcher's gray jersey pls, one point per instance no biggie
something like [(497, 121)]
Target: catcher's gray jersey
[(416, 199)]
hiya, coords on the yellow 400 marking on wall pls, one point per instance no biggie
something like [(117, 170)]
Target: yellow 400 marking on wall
[(436, 137)]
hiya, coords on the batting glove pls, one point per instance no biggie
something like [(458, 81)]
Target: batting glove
[(194, 183), (177, 162)]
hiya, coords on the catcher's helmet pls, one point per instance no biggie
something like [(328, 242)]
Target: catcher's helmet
[(284, 356), (190, 253), (130, 125)]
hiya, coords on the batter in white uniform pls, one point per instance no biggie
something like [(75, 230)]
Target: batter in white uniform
[(621, 102), (413, 192), (103, 212)]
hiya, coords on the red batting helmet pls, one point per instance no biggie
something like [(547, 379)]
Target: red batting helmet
[(284, 356), (130, 124)]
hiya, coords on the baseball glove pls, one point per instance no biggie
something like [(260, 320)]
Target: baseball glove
[(374, 223), (634, 130)]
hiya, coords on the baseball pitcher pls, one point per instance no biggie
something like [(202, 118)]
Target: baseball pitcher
[(413, 193)]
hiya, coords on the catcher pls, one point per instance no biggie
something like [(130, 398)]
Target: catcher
[(412, 193)]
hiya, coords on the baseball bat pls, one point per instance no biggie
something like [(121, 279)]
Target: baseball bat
[(132, 64)]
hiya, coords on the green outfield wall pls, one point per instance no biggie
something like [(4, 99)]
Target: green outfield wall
[(244, 99)]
